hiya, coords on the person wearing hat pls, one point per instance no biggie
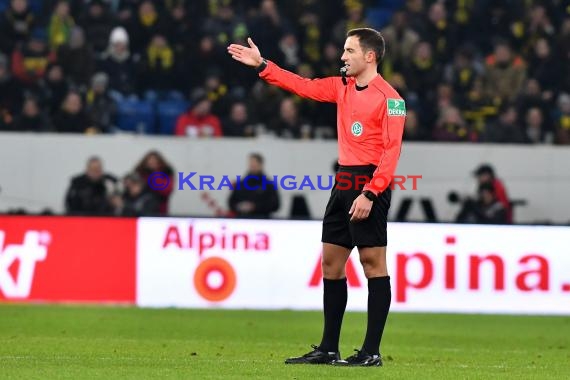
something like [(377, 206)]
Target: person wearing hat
[(486, 175), (99, 105), (120, 65)]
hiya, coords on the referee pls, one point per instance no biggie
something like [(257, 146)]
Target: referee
[(370, 118)]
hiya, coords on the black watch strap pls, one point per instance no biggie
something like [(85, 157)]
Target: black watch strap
[(370, 195), (262, 66)]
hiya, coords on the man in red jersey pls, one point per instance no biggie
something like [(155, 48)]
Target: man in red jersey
[(370, 118)]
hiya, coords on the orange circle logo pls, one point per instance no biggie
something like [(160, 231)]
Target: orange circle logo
[(215, 265)]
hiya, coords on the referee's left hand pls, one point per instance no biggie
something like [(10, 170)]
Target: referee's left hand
[(360, 208)]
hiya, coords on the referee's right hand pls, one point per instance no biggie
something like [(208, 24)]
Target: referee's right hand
[(247, 55), (360, 208)]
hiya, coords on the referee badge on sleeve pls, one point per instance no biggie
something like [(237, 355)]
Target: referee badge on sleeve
[(396, 107)]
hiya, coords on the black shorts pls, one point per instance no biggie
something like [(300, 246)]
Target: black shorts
[(337, 227)]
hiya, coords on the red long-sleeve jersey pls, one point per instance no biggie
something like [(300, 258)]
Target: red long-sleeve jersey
[(370, 121), (501, 194)]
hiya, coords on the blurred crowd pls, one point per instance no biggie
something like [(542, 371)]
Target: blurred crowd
[(96, 192), (480, 71)]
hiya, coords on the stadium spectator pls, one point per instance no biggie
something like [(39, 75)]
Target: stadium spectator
[(154, 162), (539, 25), (487, 209), (217, 92), (89, 193), (120, 65), (534, 128), (71, 116), (563, 48), (54, 87), (100, 107), (290, 52), (289, 124), (145, 23), (77, 58), (485, 174), (422, 73), (16, 25), (60, 25), (440, 32), (32, 118), (544, 66), (310, 38), (238, 123), (98, 23), (478, 109), (180, 31), (329, 64), (506, 129), (200, 63), (255, 196), (157, 74), (562, 123), (198, 121), (462, 73), (505, 73), (225, 26), (136, 199), (401, 39), (452, 127), (265, 100), (11, 94), (269, 25), (354, 18), (533, 97), (126, 11), (30, 60)]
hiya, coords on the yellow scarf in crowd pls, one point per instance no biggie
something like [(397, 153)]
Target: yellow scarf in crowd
[(165, 55)]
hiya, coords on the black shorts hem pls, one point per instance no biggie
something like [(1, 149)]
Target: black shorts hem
[(372, 245), (344, 245)]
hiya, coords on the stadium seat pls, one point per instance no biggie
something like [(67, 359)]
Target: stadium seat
[(168, 111), (4, 4), (36, 7), (137, 116), (378, 17), (390, 4)]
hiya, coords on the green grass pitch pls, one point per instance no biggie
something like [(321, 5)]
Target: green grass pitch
[(77, 342)]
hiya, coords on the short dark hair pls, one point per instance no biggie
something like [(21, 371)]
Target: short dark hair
[(370, 39), (485, 169), (258, 157)]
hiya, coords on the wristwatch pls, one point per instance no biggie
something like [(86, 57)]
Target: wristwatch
[(262, 66), (370, 195)]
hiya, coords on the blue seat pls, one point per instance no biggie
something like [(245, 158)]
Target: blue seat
[(168, 111), (390, 4), (137, 116), (37, 7), (4, 5), (378, 18)]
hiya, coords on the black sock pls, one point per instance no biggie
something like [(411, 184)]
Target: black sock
[(335, 295), (379, 299)]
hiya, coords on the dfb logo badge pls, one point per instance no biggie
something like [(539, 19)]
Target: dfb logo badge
[(356, 128)]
